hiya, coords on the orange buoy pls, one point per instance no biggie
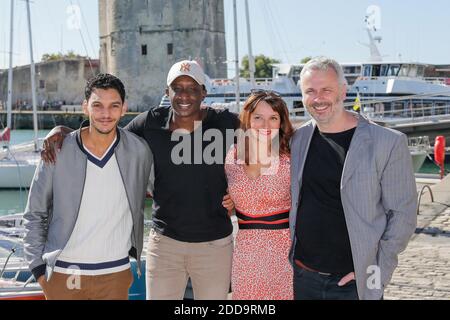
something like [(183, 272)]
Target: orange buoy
[(439, 152)]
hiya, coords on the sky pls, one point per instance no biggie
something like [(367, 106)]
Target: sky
[(287, 30)]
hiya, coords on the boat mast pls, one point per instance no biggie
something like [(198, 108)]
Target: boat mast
[(251, 58), (375, 55), (370, 20), (33, 79), (236, 52), (10, 72)]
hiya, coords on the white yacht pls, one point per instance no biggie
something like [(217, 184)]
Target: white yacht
[(18, 164), (223, 91), (411, 97)]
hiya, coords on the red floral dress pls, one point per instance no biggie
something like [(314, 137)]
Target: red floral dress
[(261, 270)]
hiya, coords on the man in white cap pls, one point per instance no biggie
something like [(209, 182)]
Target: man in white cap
[(191, 234)]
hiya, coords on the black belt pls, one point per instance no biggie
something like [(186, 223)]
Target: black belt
[(275, 221)]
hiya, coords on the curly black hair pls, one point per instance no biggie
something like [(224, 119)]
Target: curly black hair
[(104, 81)]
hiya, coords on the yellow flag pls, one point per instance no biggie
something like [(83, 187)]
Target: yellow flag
[(357, 104)]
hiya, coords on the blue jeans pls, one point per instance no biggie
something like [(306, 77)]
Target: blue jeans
[(315, 286)]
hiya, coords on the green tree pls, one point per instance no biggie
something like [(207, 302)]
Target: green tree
[(51, 57), (60, 56), (71, 54), (306, 59), (263, 66)]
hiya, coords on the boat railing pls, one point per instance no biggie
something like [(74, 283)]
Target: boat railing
[(442, 81), (263, 81), (419, 196), (408, 111), (433, 80), (421, 143), (222, 82), (390, 111), (231, 82)]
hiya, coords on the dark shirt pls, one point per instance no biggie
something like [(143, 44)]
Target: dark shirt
[(323, 242), (187, 197)]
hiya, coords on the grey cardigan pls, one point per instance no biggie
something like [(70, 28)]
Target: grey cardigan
[(56, 192), (379, 198)]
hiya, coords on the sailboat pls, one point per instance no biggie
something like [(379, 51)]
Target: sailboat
[(18, 162)]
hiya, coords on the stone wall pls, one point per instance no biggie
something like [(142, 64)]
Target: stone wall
[(141, 39), (56, 81)]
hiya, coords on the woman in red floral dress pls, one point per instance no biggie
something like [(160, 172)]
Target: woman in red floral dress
[(259, 185)]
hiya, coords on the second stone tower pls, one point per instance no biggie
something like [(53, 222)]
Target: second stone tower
[(141, 39)]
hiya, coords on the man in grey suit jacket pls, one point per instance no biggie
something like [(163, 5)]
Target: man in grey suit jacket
[(353, 194)]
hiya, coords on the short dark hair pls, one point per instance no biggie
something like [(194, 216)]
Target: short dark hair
[(104, 81)]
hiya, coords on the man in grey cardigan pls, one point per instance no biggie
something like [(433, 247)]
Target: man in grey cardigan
[(353, 194), (85, 214)]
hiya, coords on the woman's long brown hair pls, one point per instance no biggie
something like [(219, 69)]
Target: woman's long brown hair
[(278, 105)]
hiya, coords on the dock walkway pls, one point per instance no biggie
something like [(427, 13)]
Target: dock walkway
[(423, 271)]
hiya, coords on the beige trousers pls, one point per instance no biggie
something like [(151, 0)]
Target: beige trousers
[(113, 286), (170, 263)]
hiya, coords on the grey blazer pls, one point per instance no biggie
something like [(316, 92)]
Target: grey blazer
[(56, 193), (378, 195)]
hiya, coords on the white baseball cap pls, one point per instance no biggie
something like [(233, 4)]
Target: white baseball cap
[(186, 68)]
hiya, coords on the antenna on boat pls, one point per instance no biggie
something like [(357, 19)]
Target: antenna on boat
[(373, 23), (374, 52)]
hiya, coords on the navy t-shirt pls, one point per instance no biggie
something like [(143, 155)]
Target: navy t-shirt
[(323, 242)]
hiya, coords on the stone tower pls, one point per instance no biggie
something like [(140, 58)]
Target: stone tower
[(141, 39)]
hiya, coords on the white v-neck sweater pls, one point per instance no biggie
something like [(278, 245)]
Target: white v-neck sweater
[(101, 239)]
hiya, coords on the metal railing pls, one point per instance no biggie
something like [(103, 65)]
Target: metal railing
[(417, 107), (433, 80), (232, 82), (419, 143), (420, 196), (444, 81), (411, 111)]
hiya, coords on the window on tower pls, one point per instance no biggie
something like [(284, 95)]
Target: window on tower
[(170, 48), (144, 49)]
